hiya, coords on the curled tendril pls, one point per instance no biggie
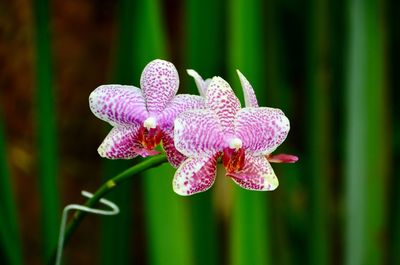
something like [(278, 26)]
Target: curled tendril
[(114, 211)]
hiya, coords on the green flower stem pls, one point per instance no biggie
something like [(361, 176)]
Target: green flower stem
[(106, 188)]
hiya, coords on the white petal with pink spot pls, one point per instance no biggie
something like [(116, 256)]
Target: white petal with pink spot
[(175, 158), (179, 104), (118, 104), (201, 86), (120, 143), (223, 102), (159, 82), (198, 132), (248, 91), (196, 174), (262, 130), (257, 174)]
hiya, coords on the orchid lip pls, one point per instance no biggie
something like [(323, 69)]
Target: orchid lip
[(150, 123), (149, 138), (233, 159)]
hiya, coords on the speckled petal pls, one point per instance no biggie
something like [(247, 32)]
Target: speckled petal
[(257, 174), (196, 174), (223, 102), (120, 143), (250, 98), (198, 132), (262, 130), (175, 158), (159, 82), (201, 85), (118, 104), (179, 104)]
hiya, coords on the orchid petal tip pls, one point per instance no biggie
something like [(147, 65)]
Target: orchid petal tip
[(271, 182), (191, 72)]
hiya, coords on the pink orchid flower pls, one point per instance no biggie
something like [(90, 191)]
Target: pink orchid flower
[(250, 100), (143, 118), (243, 137)]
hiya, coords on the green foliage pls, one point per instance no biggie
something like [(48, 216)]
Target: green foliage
[(318, 129), (46, 128), (167, 220), (366, 148), (9, 230)]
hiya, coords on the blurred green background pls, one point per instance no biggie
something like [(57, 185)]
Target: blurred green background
[(331, 66)]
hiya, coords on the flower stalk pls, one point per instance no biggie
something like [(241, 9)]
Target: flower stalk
[(105, 189)]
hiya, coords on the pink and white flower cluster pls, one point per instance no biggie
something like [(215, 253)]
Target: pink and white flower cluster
[(194, 131)]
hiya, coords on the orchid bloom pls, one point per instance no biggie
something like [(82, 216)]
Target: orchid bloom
[(143, 118), (243, 137), (250, 100)]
